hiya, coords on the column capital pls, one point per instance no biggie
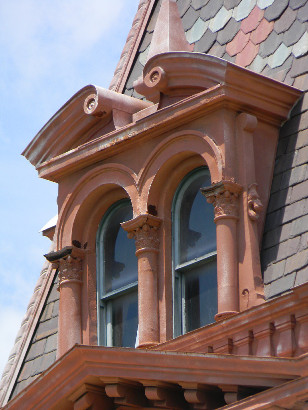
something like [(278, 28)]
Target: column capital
[(224, 196), (68, 261), (144, 229)]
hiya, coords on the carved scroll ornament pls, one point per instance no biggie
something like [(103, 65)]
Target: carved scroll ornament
[(255, 205)]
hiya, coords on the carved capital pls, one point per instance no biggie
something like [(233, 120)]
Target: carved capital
[(255, 205), (69, 263), (224, 197), (144, 229)]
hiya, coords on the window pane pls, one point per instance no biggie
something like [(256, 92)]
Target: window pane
[(196, 220), (120, 262), (200, 296), (125, 320)]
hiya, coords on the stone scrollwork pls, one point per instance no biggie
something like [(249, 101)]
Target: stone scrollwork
[(255, 205), (224, 197), (144, 229)]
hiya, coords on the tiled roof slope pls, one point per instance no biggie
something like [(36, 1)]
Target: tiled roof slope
[(27, 333), (43, 347), (269, 37)]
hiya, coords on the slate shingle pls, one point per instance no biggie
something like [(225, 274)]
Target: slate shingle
[(206, 42), (230, 4), (189, 18), (211, 9), (296, 4), (301, 47), (286, 20), (183, 6), (197, 4), (279, 56), (270, 45), (227, 34), (247, 55), (299, 66), (251, 22), (302, 14), (294, 33), (220, 20), (217, 50), (261, 32), (301, 277), (280, 286), (263, 4), (238, 43), (196, 32), (258, 64), (274, 11)]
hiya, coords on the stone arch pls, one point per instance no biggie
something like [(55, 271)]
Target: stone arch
[(174, 157), (90, 198)]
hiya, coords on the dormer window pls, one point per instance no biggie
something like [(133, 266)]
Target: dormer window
[(194, 255), (117, 279)]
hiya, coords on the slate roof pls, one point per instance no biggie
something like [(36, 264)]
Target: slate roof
[(267, 36)]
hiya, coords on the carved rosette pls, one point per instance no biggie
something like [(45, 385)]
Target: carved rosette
[(224, 197), (144, 229), (255, 205)]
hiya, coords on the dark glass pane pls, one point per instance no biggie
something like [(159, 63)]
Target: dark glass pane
[(120, 261), (196, 220), (200, 295), (125, 320)]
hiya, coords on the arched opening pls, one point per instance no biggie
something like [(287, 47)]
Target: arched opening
[(117, 279), (194, 254)]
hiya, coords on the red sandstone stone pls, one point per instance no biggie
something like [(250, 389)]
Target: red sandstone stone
[(262, 31), (237, 44), (252, 21)]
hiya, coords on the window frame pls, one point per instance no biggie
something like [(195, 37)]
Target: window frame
[(179, 269), (104, 299)]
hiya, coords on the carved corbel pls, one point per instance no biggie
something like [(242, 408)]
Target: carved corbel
[(126, 393), (68, 261), (255, 205)]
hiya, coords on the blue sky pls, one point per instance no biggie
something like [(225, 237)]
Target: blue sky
[(49, 50)]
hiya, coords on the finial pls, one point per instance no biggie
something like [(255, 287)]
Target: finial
[(169, 34)]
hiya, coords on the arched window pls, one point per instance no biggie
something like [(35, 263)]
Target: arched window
[(117, 279), (194, 254)]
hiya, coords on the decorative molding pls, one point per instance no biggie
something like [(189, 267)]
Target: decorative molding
[(144, 229), (255, 205), (224, 197)]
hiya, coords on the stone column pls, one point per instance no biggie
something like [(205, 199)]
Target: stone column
[(224, 197), (144, 229), (68, 261)]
